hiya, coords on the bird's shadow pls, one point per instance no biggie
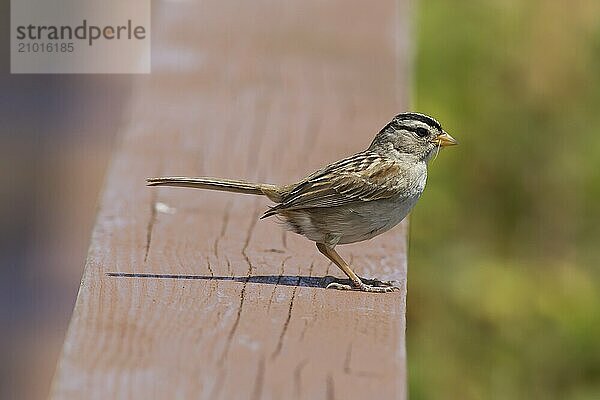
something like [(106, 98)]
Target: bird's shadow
[(282, 280)]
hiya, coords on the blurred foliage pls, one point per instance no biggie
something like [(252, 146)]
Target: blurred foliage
[(504, 278)]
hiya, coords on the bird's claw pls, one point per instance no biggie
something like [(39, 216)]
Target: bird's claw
[(377, 289), (363, 287), (339, 286), (377, 282)]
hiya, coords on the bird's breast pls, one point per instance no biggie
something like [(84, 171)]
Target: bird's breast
[(372, 218)]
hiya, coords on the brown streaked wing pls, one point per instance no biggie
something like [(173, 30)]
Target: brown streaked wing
[(364, 176)]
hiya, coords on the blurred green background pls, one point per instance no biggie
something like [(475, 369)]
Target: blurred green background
[(504, 277)]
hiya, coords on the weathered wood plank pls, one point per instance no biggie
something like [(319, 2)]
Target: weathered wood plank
[(222, 305)]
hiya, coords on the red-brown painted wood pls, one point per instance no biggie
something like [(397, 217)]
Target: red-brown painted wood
[(225, 306)]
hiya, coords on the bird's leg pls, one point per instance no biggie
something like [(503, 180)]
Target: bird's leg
[(329, 252)]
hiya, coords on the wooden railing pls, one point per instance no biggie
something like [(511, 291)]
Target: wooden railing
[(185, 294)]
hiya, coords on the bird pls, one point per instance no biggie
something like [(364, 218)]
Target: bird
[(353, 199)]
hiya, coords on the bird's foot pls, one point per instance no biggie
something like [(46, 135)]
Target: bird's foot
[(377, 282), (364, 287)]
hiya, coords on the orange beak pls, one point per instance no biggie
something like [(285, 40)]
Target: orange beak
[(444, 140)]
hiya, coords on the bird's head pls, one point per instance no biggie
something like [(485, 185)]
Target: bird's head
[(412, 134)]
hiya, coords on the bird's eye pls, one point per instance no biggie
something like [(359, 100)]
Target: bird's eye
[(422, 132)]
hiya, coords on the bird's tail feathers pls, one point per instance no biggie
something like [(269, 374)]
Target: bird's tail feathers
[(225, 185)]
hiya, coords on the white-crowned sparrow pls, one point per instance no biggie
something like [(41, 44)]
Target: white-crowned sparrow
[(353, 199)]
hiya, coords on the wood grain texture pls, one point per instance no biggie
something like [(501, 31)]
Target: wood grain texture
[(221, 305)]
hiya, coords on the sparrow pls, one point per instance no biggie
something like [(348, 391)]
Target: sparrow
[(353, 199)]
